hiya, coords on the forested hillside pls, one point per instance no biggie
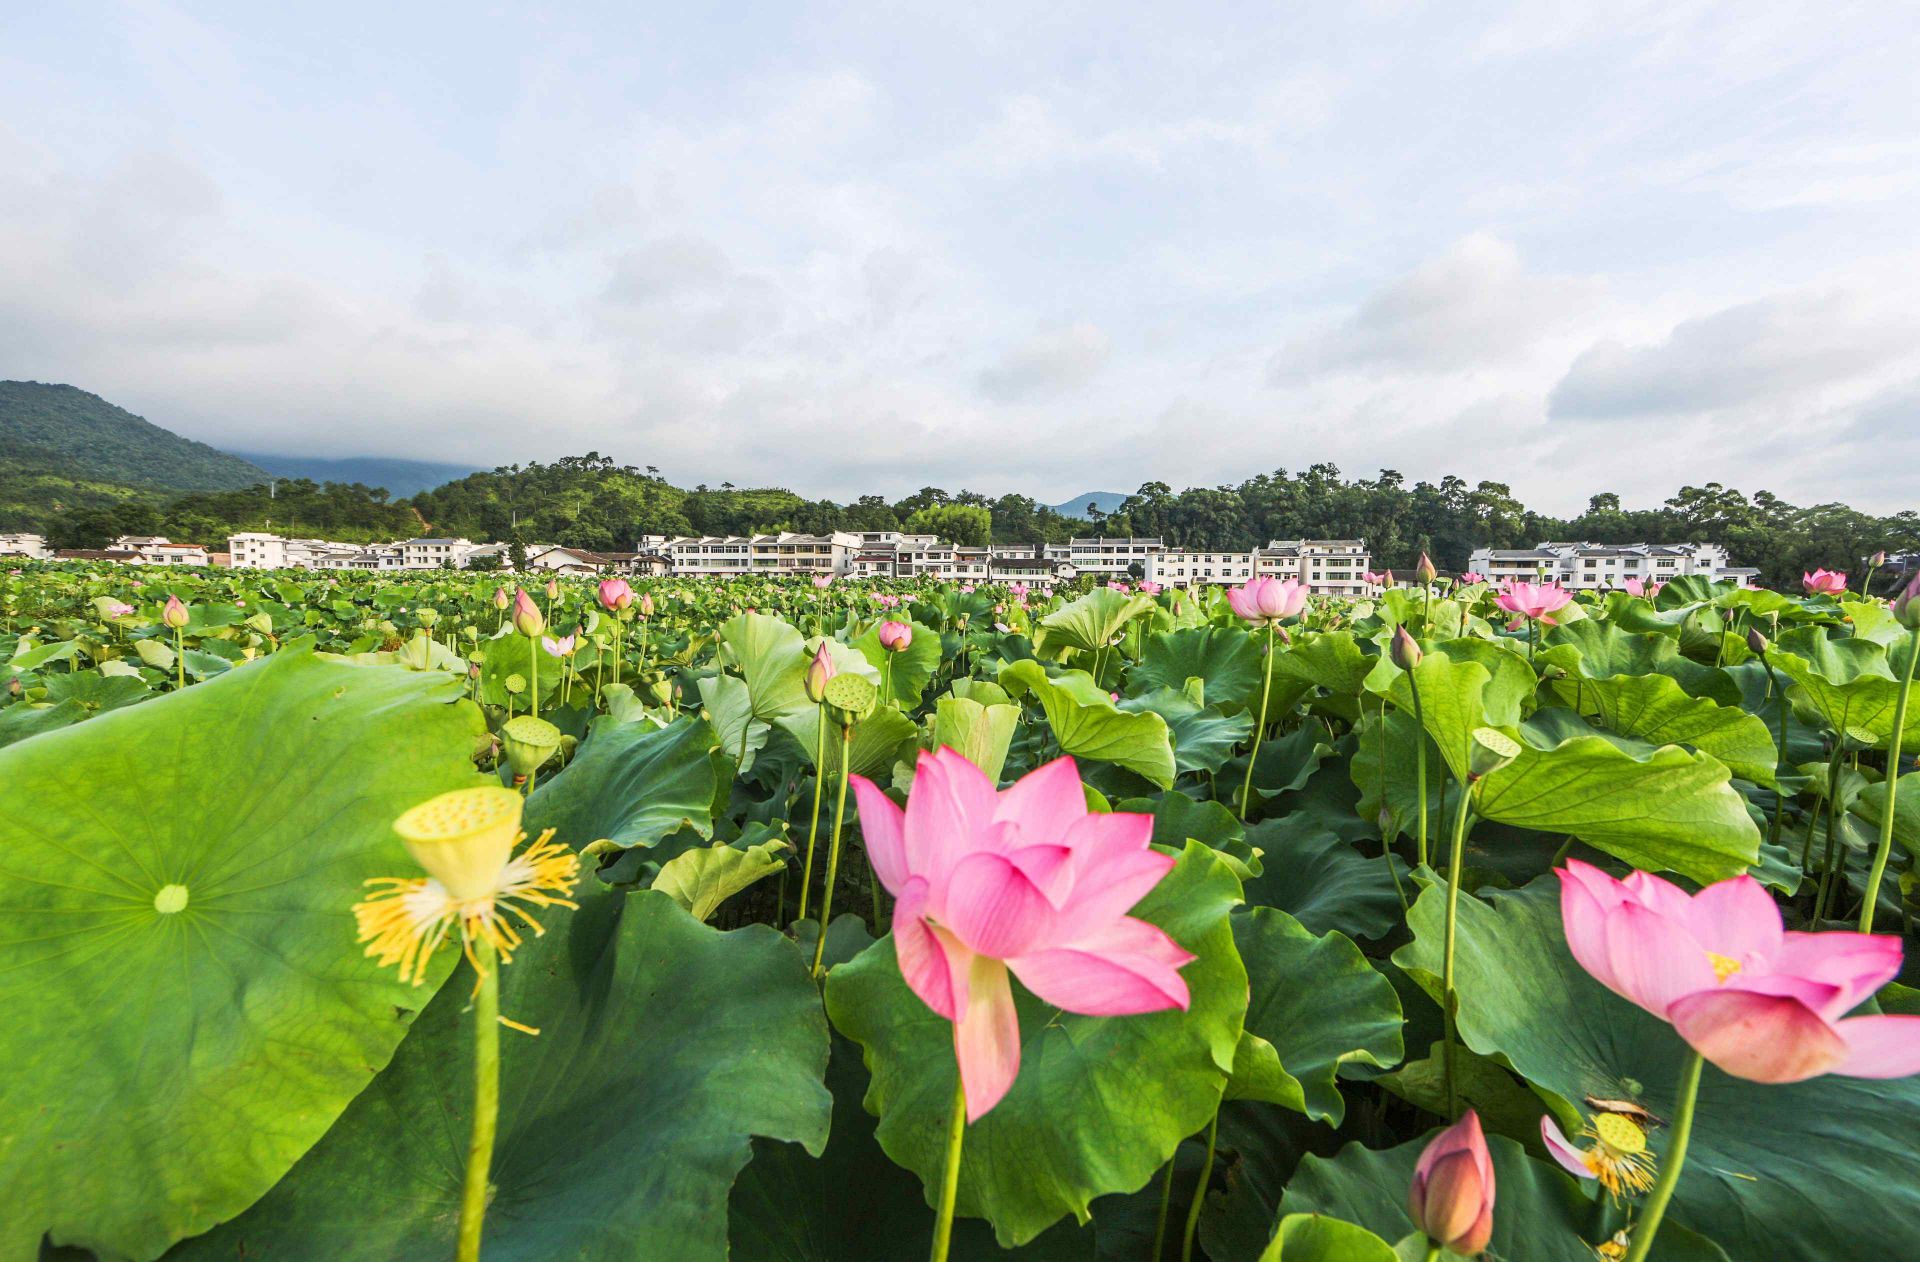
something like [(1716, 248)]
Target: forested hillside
[(64, 429)]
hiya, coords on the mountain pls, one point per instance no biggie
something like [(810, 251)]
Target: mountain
[(1077, 506), (64, 431), (401, 478)]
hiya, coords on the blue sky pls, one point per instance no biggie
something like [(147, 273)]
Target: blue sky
[(854, 248)]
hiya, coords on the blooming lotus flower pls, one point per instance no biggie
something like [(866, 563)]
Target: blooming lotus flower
[(1025, 881), (1539, 601), (557, 648), (1264, 601), (966, 588), (1618, 1158), (1122, 588), (1642, 587), (823, 580), (1019, 590), (527, 618), (1470, 578), (1150, 588), (895, 636), (1761, 1003), (1451, 1197), (615, 594), (1372, 579), (118, 609), (1824, 582)]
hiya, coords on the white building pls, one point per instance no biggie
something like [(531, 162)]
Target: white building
[(160, 550), (1606, 566), (1101, 555), (258, 550), (33, 547), (1328, 567), (788, 552), (434, 554)]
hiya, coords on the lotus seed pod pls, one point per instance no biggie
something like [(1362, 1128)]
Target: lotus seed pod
[(516, 684), (1491, 750), (428, 616), (528, 742), (463, 838), (852, 695)]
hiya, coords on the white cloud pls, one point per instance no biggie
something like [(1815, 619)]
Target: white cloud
[(1050, 361)]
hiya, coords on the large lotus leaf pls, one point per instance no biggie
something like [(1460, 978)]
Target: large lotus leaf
[(186, 1009), (728, 705), (1849, 685), (1658, 808), (704, 877), (1597, 649), (772, 657), (1871, 806), (1203, 738), (1384, 769), (1816, 1170), (1100, 1103), (631, 784), (96, 692), (908, 670), (1456, 698), (1655, 709), (878, 739), (1310, 873), (1315, 1005), (509, 655), (664, 1046), (1316, 1238), (1332, 660), (1285, 763), (1093, 621), (851, 1204), (1539, 1213), (1088, 726), (1225, 657), (982, 732), (1178, 819)]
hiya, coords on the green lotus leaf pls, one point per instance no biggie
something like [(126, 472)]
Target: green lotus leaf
[(1094, 620), (1655, 709), (1225, 657), (630, 784), (664, 1046), (1086, 724), (166, 1067), (1316, 1238), (1310, 873), (1315, 1005), (1100, 1103), (908, 671), (729, 708), (1820, 1169), (1203, 738), (703, 878), (1849, 685), (982, 732)]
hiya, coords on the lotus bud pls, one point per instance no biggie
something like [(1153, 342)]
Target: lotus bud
[(553, 589), (1451, 1198), (1757, 643), (646, 604), (463, 838), (174, 614), (500, 599), (528, 742), (1877, 560), (527, 618), (262, 623), (1906, 606), (615, 594), (1424, 571), (428, 616), (895, 636), (819, 671), (1405, 650)]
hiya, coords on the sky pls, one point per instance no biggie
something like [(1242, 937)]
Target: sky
[(1007, 247)]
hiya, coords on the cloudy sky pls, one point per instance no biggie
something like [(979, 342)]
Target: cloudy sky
[(1045, 248)]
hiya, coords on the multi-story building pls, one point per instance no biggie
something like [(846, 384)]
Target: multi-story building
[(160, 550), (25, 545), (1107, 556), (1603, 566), (434, 554), (787, 552), (1328, 567)]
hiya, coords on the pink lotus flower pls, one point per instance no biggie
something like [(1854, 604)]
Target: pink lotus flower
[(173, 613), (1122, 588), (500, 599), (1539, 601), (1451, 1197), (1642, 587), (1268, 600), (823, 580), (1372, 579), (615, 594), (1024, 880), (819, 671), (895, 636), (1824, 582), (1018, 590), (966, 588), (118, 610), (1761, 1003), (646, 604), (557, 648), (1424, 569), (1151, 588), (1470, 578), (553, 589)]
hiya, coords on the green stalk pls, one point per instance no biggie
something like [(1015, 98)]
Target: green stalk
[(1200, 1190), (813, 832), (1420, 763), (533, 688), (950, 1174), (1166, 1199), (833, 848), (180, 656), (1446, 967), (1656, 1206), (1893, 782), (1779, 794), (1260, 728), (486, 1102)]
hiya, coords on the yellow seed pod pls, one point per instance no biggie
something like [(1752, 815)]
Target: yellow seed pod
[(464, 838), (1620, 1133)]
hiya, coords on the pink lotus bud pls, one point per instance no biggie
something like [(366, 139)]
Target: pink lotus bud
[(646, 604), (1405, 650), (1755, 641), (174, 614), (819, 671), (1423, 569), (895, 636), (1877, 560), (1451, 1198), (823, 580), (615, 594), (553, 589), (1906, 606), (500, 599), (527, 618)]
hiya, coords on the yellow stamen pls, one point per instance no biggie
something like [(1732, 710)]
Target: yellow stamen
[(1724, 966), (1619, 1158)]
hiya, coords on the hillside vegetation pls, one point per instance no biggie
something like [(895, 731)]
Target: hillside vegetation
[(64, 429)]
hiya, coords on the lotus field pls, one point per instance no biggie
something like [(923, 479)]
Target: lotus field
[(414, 915)]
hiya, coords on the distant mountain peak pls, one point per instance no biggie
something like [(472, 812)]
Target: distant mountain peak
[(1105, 501)]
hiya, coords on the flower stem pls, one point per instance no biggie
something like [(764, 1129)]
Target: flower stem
[(486, 1101), (1200, 1190), (1166, 1199), (1676, 1157), (833, 847), (813, 832), (1259, 729), (1420, 765), (1446, 967), (533, 688), (180, 655), (950, 1174), (1893, 783)]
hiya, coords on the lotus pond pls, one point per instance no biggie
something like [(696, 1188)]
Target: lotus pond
[(410, 916)]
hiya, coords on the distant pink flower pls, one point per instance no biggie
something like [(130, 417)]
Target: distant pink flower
[(1642, 587), (966, 587), (1018, 590), (1027, 881), (1533, 600), (1470, 578), (1120, 587), (646, 604), (1824, 582), (557, 648), (118, 610), (615, 594), (1268, 600), (1760, 1002), (1375, 579), (1149, 588), (1451, 1196), (896, 636), (823, 580)]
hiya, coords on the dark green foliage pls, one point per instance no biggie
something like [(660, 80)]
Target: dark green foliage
[(62, 429)]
